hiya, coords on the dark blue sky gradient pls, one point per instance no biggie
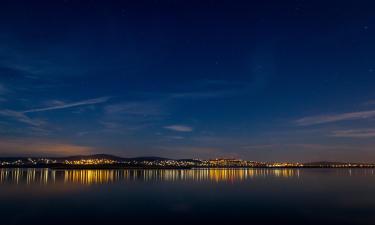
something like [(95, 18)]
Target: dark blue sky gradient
[(260, 80)]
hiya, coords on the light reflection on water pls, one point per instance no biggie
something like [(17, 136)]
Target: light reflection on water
[(87, 177), (198, 196)]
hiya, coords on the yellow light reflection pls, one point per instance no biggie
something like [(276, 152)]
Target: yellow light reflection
[(91, 177)]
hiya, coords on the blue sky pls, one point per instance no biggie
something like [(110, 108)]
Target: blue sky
[(290, 80)]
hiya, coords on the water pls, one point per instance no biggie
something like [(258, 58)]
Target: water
[(204, 196)]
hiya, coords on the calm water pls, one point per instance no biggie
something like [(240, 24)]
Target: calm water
[(206, 196)]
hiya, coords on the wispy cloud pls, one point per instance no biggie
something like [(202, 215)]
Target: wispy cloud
[(179, 128), (21, 117), (313, 120), (70, 105), (359, 133)]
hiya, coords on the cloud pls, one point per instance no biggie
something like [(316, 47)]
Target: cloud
[(360, 133), (179, 128), (51, 103), (70, 105), (313, 120), (17, 147), (21, 117)]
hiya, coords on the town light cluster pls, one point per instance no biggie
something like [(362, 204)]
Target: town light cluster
[(168, 163)]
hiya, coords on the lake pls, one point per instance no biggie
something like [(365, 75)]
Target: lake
[(197, 196)]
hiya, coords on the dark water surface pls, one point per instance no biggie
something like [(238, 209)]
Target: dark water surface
[(204, 196)]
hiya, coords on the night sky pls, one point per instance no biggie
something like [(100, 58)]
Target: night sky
[(258, 80)]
